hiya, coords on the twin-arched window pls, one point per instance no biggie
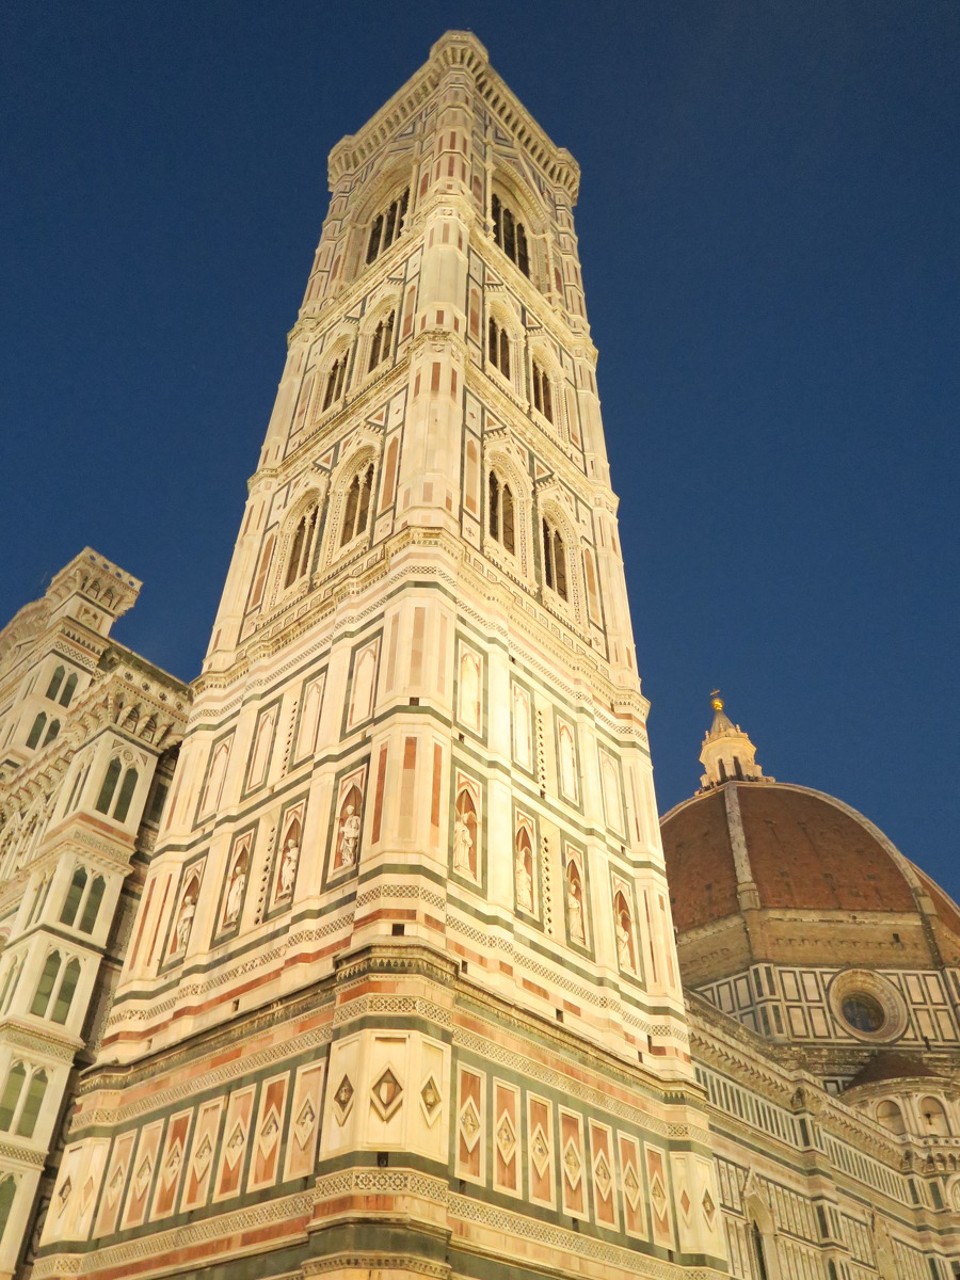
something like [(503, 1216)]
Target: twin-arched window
[(542, 392), (36, 731), (510, 235), (67, 691), (56, 988), (108, 789), (554, 560), (501, 519), (498, 347), (20, 1101), (386, 226), (356, 511), (82, 904), (335, 380), (382, 342), (301, 547)]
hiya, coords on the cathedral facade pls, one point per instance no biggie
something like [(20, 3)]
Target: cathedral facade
[(361, 953)]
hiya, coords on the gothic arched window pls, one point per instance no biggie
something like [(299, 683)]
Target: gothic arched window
[(498, 347), (52, 732), (301, 546), (510, 235), (386, 226), (356, 512), (109, 786), (381, 342), (127, 789), (542, 392), (335, 379), (30, 1110), (501, 520), (68, 690), (74, 895), (53, 688), (37, 729), (554, 560)]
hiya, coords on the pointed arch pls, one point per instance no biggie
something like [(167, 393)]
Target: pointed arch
[(507, 517), (74, 896), (48, 977), (335, 376), (30, 1108), (378, 334), (10, 1098), (68, 690), (127, 788), (37, 729), (108, 786), (623, 923), (53, 688), (349, 520), (65, 992)]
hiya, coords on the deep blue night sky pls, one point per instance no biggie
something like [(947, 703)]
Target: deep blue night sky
[(769, 231)]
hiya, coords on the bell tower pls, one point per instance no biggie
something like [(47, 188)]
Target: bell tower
[(402, 991)]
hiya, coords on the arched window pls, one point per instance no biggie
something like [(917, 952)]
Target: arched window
[(303, 401), (92, 906), (31, 1106), (335, 379), (37, 730), (74, 896), (52, 731), (64, 997), (109, 786), (382, 342), (8, 1190), (9, 986), (387, 226), (356, 513), (891, 1117), (301, 547), (501, 520), (44, 990), (542, 392), (68, 690), (127, 789), (498, 347), (510, 235), (11, 1094), (53, 688), (934, 1117), (39, 902), (256, 595), (554, 560)]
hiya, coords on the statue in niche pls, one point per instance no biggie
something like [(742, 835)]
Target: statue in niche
[(348, 847), (462, 845), (238, 882), (188, 909), (288, 862), (624, 938), (523, 871), (464, 833), (574, 906)]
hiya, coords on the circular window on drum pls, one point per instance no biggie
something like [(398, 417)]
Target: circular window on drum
[(867, 1005), (863, 1013)]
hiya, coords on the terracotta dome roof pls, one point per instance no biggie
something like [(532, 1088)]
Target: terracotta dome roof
[(805, 852), (767, 871)]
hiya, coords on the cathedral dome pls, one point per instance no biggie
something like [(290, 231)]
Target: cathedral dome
[(762, 871)]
